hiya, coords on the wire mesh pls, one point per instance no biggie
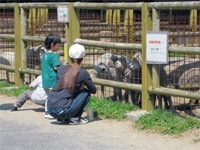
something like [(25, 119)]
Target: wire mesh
[(183, 70), (96, 26), (6, 45)]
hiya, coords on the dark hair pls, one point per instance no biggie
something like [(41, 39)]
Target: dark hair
[(51, 38), (69, 79)]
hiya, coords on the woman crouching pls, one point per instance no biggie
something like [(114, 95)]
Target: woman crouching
[(67, 99)]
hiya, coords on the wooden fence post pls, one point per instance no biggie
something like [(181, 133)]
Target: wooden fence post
[(147, 99), (18, 77), (156, 68), (73, 27)]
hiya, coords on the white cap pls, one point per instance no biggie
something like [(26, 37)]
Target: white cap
[(77, 51)]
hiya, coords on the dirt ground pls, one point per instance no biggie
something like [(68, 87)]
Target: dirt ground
[(22, 129)]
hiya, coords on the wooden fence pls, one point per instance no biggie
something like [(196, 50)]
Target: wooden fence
[(150, 76)]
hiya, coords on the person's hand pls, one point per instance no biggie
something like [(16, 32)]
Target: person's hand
[(30, 86), (83, 86)]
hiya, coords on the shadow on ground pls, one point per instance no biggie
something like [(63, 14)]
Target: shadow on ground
[(5, 106)]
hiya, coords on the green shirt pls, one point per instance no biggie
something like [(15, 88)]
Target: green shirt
[(48, 62)]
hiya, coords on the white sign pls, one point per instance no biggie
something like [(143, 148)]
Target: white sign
[(156, 50), (62, 12)]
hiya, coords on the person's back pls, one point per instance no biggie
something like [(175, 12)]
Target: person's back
[(49, 61), (67, 100), (63, 98), (39, 94)]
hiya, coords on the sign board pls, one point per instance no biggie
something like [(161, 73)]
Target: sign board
[(62, 12), (156, 47)]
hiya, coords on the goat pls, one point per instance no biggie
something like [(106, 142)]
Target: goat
[(104, 69), (135, 68), (120, 65), (132, 73), (33, 57), (4, 61), (10, 56)]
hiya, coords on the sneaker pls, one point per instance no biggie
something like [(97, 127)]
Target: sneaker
[(63, 121), (79, 120), (48, 116), (13, 108)]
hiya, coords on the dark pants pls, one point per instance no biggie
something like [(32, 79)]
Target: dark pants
[(75, 110)]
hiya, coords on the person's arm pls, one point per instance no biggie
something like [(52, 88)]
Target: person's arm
[(88, 83), (55, 62), (36, 82), (56, 68)]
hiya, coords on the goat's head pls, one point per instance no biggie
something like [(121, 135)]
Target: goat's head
[(136, 62), (34, 55), (113, 60), (101, 71), (121, 63)]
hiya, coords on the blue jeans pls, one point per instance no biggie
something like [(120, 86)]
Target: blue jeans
[(75, 110)]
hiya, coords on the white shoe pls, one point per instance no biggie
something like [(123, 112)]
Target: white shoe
[(79, 120), (48, 116)]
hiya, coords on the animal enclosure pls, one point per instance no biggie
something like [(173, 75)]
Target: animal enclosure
[(119, 30)]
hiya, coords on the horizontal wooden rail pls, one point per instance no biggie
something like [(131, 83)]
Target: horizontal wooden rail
[(113, 45), (175, 5), (189, 86), (39, 39), (122, 85), (184, 50), (174, 92), (7, 36), (41, 5), (7, 5), (30, 71), (81, 5), (7, 67)]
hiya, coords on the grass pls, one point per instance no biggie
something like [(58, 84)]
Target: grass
[(104, 107), (159, 120), (197, 140), (110, 109), (15, 91), (166, 122)]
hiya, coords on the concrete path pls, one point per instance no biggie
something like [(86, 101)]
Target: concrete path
[(27, 129)]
